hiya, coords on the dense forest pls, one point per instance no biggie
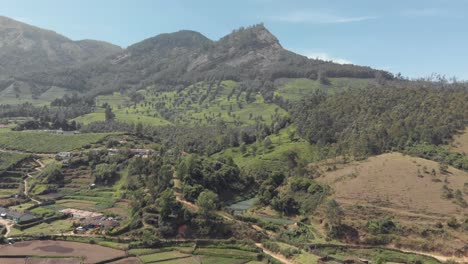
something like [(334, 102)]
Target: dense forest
[(373, 120)]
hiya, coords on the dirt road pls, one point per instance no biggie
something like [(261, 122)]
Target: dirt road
[(277, 256), (7, 224)]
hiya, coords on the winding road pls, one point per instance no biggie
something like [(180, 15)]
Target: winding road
[(8, 224)]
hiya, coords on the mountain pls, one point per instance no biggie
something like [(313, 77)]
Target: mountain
[(173, 59), (25, 48)]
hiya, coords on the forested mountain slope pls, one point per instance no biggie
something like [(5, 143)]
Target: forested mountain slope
[(186, 57), (25, 48)]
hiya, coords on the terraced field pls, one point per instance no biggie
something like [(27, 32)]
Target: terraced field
[(187, 255)]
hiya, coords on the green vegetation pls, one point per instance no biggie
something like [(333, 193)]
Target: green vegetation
[(54, 228), (39, 142), (167, 255), (376, 254), (286, 153), (373, 120), (297, 89), (203, 103), (9, 159), (440, 154)]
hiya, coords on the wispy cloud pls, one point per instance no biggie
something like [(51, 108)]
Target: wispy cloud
[(324, 56), (318, 17), (424, 12)]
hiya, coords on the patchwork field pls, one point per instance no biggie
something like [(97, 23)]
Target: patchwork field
[(55, 228), (186, 255), (90, 253), (40, 142), (40, 260)]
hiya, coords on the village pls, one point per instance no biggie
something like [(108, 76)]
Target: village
[(80, 207)]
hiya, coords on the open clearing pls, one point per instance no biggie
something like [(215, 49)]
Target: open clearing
[(391, 180), (90, 253)]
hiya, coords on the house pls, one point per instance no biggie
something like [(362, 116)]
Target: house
[(15, 216), (81, 214), (64, 155), (103, 223)]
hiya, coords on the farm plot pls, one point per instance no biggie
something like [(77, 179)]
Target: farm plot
[(41, 142), (55, 228), (184, 255), (40, 260), (46, 248), (9, 159), (11, 180)]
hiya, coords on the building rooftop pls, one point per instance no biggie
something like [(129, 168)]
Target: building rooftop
[(22, 216)]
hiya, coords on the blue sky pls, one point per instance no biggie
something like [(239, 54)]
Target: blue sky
[(414, 37)]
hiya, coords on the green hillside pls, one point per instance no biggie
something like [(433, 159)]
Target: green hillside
[(297, 89), (202, 103)]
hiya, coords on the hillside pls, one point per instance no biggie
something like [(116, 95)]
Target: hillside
[(25, 49), (187, 57), (414, 192)]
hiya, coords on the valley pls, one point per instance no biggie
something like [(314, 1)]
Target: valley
[(182, 149)]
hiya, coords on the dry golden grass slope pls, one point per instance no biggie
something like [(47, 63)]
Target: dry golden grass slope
[(460, 142), (404, 189), (397, 181)]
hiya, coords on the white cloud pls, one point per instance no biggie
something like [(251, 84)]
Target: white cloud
[(325, 56), (424, 12), (317, 17)]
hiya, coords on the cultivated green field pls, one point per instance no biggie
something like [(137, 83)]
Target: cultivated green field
[(297, 89), (8, 159), (183, 254), (54, 228), (41, 142)]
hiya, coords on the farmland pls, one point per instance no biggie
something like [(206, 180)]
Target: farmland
[(8, 159), (39, 142), (89, 253), (187, 254)]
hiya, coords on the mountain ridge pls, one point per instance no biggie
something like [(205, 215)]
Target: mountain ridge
[(25, 48), (183, 58)]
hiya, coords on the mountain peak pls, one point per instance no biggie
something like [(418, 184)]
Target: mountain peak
[(180, 39), (256, 36)]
